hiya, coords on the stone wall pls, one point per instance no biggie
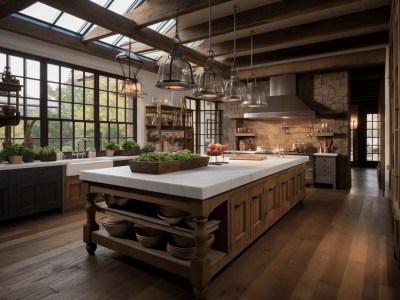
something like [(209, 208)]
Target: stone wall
[(327, 93)]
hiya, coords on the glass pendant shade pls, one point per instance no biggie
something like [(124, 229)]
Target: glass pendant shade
[(130, 65), (209, 83), (255, 96), (175, 73), (234, 89)]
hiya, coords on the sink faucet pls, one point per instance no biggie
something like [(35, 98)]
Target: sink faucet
[(82, 153)]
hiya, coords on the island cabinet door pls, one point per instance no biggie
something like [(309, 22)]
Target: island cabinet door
[(240, 219), (257, 210), (272, 200), (301, 182), (285, 193)]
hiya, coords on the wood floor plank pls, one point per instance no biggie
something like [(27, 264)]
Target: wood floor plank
[(336, 245)]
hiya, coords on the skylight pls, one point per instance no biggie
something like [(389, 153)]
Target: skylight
[(42, 12)]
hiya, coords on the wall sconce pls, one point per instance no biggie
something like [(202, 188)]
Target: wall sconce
[(353, 124)]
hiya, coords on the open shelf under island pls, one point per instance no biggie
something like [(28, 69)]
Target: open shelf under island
[(237, 202)]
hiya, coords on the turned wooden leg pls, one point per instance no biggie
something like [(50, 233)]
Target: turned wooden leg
[(91, 224), (200, 265)]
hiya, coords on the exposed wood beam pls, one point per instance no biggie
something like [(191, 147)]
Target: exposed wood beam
[(263, 15), (152, 12), (8, 7), (337, 45), (276, 11), (101, 16), (371, 20), (343, 61), (44, 34)]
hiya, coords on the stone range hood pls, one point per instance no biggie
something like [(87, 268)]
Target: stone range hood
[(282, 102)]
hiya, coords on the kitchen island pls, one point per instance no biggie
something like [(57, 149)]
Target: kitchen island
[(237, 202)]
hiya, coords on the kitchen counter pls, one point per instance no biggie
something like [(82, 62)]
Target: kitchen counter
[(236, 202), (209, 181), (62, 162)]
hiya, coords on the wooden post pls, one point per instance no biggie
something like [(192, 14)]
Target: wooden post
[(200, 265), (91, 224)]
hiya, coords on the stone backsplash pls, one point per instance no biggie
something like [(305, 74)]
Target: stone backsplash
[(329, 94), (326, 93)]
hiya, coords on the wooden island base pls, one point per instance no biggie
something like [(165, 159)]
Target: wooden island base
[(236, 217)]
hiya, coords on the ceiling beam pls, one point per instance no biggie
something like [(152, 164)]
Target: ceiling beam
[(150, 13), (54, 37), (8, 7), (341, 61), (101, 16), (267, 14), (347, 25), (336, 45)]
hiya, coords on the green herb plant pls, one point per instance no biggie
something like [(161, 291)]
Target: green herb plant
[(166, 156), (130, 145)]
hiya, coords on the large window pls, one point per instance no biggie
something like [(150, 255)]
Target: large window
[(65, 104), (373, 137)]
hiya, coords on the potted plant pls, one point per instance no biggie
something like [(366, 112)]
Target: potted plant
[(28, 155), (111, 147), (47, 153), (129, 148), (13, 153), (149, 147)]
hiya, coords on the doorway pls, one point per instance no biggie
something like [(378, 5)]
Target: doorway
[(366, 92)]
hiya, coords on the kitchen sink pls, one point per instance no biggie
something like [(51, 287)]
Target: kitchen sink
[(77, 165)]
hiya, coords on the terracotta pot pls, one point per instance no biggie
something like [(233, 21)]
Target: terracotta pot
[(109, 152), (15, 159)]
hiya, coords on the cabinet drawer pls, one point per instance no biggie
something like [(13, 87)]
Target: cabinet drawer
[(325, 162), (324, 177)]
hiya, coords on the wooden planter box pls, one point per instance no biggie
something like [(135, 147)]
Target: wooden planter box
[(167, 166), (129, 152)]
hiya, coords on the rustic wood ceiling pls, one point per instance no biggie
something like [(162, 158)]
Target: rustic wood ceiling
[(290, 35)]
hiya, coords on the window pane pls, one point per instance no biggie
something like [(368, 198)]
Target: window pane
[(66, 93), (54, 129), (103, 98), (66, 111), (52, 91), (78, 95), (78, 112), (53, 73), (68, 129), (89, 96), (89, 112), (53, 109), (32, 69), (66, 74), (17, 65), (33, 88), (70, 22), (89, 80), (42, 12)]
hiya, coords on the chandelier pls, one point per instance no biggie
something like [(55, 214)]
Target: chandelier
[(209, 83), (234, 89), (175, 73), (130, 65), (255, 96)]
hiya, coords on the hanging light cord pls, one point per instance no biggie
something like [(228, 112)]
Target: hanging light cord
[(251, 56), (179, 42), (209, 26), (234, 36)]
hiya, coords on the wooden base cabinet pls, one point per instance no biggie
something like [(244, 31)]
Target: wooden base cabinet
[(31, 190), (236, 217), (75, 192)]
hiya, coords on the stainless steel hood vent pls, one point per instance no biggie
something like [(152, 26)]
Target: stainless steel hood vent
[(283, 102)]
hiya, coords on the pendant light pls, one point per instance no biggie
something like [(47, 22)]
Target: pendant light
[(234, 89), (209, 83), (255, 96), (175, 73), (130, 65)]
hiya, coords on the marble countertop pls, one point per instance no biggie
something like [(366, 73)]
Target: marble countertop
[(62, 162), (326, 154), (200, 183)]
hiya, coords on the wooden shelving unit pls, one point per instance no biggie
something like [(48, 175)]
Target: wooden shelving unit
[(169, 126)]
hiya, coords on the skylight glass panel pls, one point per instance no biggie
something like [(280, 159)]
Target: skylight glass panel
[(70, 22), (112, 39), (120, 6), (100, 2), (156, 55), (41, 12), (163, 26)]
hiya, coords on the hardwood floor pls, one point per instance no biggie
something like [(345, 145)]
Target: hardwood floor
[(335, 245)]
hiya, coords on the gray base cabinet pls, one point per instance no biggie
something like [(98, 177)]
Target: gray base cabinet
[(30, 191), (325, 170)]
